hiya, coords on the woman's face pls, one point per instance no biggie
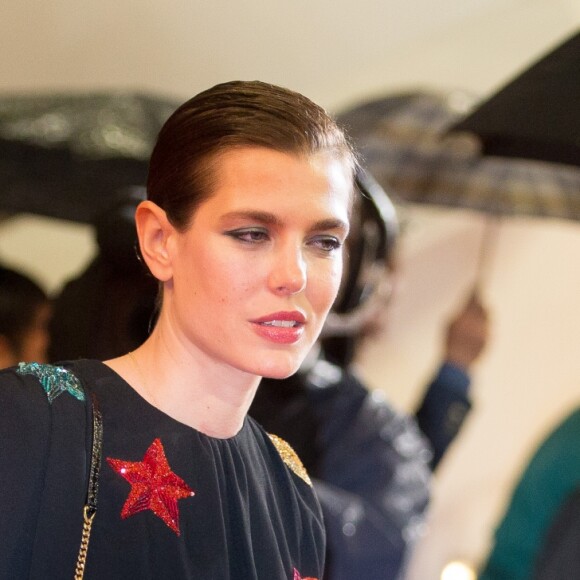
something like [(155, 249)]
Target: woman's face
[(257, 270)]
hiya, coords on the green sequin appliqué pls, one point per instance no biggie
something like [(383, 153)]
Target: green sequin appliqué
[(54, 380)]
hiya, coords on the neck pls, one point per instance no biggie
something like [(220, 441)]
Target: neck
[(189, 387)]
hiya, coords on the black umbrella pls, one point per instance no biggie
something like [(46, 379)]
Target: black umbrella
[(68, 155), (406, 143), (536, 115)]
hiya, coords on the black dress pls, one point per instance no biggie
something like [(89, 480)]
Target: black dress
[(172, 502)]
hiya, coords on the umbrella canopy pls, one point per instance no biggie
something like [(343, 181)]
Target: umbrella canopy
[(405, 143), (69, 155), (536, 115)]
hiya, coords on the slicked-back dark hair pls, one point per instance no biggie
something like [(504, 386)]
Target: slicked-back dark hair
[(227, 116)]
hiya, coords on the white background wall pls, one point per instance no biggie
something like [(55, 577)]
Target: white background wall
[(337, 52)]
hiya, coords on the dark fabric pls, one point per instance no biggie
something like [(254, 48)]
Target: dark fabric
[(552, 474), (560, 555), (284, 408), (371, 465), (444, 409), (536, 115), (43, 479), (251, 517)]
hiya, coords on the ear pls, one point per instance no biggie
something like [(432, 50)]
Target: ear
[(154, 231)]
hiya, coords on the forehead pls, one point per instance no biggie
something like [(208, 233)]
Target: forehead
[(271, 175)]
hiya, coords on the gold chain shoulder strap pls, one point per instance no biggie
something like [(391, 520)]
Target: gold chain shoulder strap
[(90, 508)]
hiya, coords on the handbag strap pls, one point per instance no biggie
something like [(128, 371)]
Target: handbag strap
[(74, 431), (90, 508)]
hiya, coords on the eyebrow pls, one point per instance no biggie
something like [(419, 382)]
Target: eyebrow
[(270, 219)]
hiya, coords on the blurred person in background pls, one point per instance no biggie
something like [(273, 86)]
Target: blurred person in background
[(371, 464), (108, 309), (24, 315), (560, 557), (538, 536)]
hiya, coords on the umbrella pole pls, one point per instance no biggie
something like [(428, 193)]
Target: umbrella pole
[(487, 250)]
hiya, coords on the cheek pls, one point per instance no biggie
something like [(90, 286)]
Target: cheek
[(336, 278), (226, 278), (324, 284)]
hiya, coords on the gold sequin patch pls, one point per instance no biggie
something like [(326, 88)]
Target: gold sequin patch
[(290, 458)]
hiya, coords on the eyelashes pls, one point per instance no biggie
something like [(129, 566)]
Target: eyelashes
[(257, 236), (249, 235), (327, 244)]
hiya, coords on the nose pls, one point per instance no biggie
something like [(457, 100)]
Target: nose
[(289, 271)]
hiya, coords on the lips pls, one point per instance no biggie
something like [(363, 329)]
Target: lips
[(281, 327)]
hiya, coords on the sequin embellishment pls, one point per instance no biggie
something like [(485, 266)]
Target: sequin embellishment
[(153, 486), (298, 577), (290, 458), (54, 380)]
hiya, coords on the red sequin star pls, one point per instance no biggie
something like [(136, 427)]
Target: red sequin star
[(153, 486), (298, 577)]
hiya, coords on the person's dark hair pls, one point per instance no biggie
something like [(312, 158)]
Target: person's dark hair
[(227, 116), (20, 299), (115, 231)]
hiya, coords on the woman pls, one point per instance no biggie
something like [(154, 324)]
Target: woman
[(249, 194)]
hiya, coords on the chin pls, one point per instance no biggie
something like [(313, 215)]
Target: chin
[(273, 363), (279, 375), (279, 369)]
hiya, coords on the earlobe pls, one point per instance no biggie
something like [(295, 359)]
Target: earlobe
[(154, 231)]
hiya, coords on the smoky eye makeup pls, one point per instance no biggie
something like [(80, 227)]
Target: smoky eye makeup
[(250, 235)]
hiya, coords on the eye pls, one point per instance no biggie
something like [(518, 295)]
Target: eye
[(327, 244), (249, 235)]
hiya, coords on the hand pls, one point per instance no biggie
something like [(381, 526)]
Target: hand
[(467, 334)]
